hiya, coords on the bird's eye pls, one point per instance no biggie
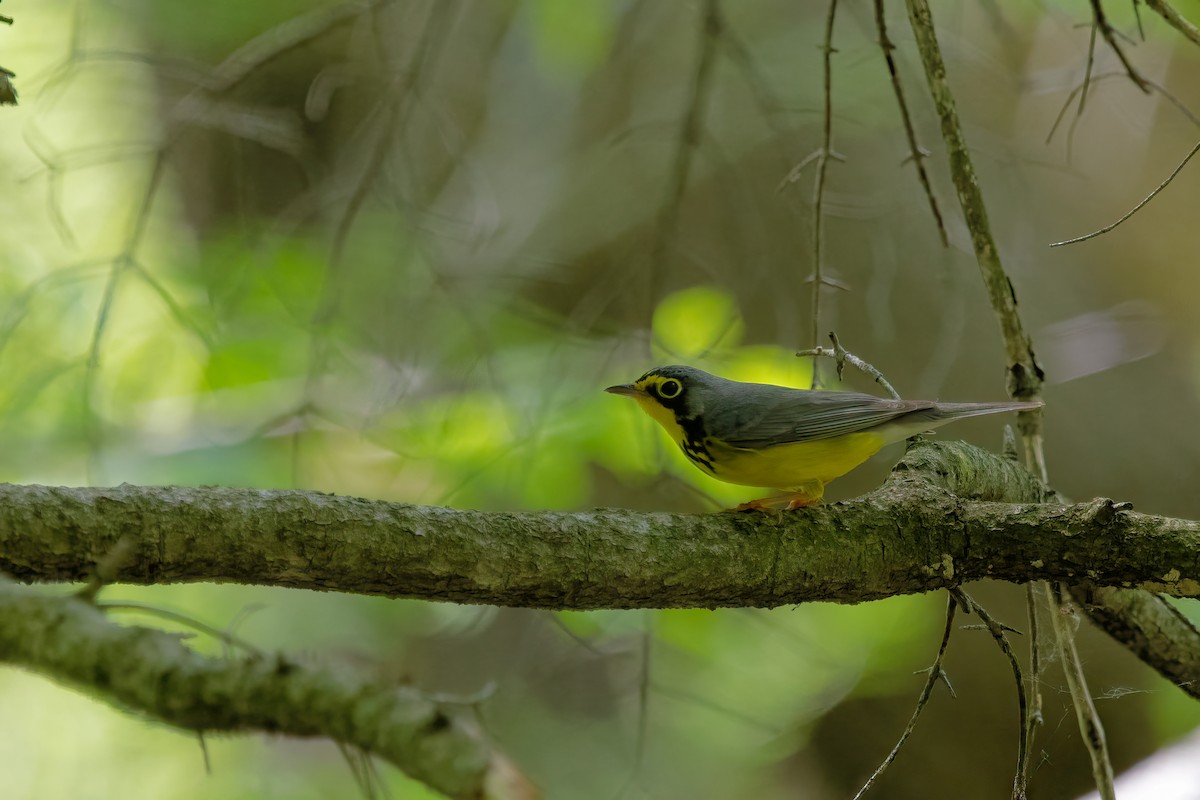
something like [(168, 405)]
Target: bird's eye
[(669, 389)]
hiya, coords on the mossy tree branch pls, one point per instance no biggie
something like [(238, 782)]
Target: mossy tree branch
[(152, 672), (1147, 623), (939, 521)]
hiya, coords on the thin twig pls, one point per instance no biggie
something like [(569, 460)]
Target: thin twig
[(795, 172), (225, 637), (1110, 36), (1135, 209), (1090, 726), (203, 742), (997, 631), (690, 127), (819, 183), (917, 153), (935, 673), (1175, 19), (842, 356), (1033, 720), (1158, 87), (1087, 72)]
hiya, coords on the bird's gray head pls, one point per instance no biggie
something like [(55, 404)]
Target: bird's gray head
[(684, 390)]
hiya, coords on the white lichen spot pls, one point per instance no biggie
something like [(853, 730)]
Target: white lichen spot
[(1037, 564), (1171, 576)]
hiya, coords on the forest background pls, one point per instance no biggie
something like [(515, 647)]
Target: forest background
[(397, 249)]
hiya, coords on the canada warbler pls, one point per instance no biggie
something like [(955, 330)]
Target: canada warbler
[(795, 440)]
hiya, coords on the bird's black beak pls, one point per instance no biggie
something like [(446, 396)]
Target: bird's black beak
[(627, 389)]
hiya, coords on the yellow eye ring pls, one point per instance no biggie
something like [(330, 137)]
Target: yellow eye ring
[(669, 389)]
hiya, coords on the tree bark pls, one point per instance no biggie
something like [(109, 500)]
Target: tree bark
[(936, 523), (70, 640)]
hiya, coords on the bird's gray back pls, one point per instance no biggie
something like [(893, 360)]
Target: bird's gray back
[(756, 415)]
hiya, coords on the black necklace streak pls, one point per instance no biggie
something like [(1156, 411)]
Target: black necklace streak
[(695, 442)]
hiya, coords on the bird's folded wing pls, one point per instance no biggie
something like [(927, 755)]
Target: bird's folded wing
[(776, 415)]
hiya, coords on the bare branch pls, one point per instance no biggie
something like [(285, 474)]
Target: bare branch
[(1175, 19), (1138, 207), (917, 154), (827, 52), (1085, 710), (1158, 87), (842, 356), (1087, 72), (1033, 719), (935, 674), (998, 633), (153, 673), (1110, 36)]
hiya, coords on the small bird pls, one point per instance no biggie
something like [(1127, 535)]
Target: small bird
[(793, 440)]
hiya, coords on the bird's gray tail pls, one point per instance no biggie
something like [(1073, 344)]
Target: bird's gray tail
[(945, 412), (935, 415)]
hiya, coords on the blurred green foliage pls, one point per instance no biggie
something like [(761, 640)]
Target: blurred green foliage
[(423, 300)]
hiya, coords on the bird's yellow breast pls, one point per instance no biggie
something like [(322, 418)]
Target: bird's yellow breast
[(783, 466), (794, 465)]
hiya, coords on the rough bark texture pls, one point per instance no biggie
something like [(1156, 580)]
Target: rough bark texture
[(1151, 627), (915, 534), (152, 672)]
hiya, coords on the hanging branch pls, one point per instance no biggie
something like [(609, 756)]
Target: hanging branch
[(1085, 711), (936, 673), (1094, 79), (818, 275), (1195, 149), (916, 153), (1110, 36), (998, 633)]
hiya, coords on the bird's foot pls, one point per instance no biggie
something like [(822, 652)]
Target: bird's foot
[(780, 502)]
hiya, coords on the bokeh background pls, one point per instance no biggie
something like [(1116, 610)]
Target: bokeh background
[(396, 249)]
